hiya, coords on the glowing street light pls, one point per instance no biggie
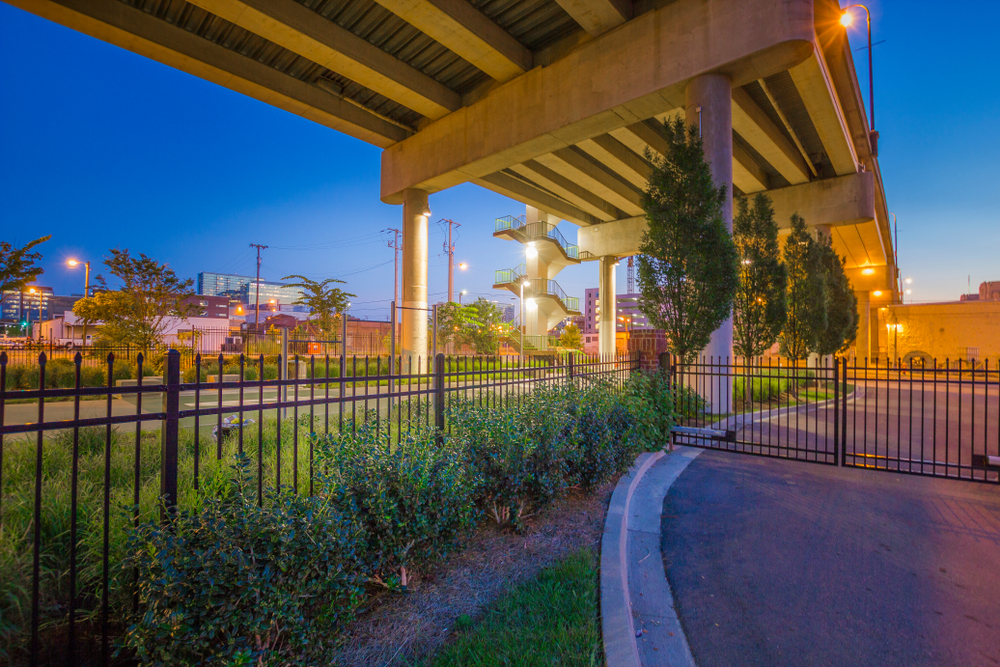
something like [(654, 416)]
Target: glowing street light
[(846, 20), (72, 263), (463, 266)]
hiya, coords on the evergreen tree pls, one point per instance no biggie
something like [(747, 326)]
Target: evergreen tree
[(805, 295), (842, 304), (759, 306), (687, 269)]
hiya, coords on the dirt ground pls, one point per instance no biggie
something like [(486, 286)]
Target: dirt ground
[(399, 629)]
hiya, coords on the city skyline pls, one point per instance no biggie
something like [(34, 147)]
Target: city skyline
[(311, 194)]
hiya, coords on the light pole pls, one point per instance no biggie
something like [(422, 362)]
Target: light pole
[(524, 283), (86, 275), (86, 294), (846, 19), (461, 294)]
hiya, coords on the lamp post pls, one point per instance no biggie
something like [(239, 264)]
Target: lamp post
[(461, 294), (524, 283), (846, 19), (86, 275)]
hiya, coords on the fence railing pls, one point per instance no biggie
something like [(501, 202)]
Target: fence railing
[(937, 419), (537, 230), (80, 465)]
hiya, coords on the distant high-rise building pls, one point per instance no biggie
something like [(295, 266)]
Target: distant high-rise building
[(280, 293), (627, 310), (222, 284), (26, 305)]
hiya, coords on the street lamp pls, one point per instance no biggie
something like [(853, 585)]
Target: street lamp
[(461, 294), (524, 283), (846, 19), (463, 266), (86, 275)]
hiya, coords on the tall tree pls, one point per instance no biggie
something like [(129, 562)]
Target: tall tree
[(842, 304), (325, 302), (137, 312), (805, 294), (759, 306), (687, 269), (18, 266)]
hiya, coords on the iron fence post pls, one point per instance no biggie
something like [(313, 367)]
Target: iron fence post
[(843, 416), (836, 411), (169, 432), (439, 397), (571, 363), (283, 370)]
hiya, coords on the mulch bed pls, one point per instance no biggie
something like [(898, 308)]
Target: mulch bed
[(398, 629)]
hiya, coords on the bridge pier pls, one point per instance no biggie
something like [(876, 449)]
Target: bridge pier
[(708, 105), (607, 302), (414, 276)]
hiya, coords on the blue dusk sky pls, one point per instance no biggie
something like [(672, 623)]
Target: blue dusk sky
[(102, 148)]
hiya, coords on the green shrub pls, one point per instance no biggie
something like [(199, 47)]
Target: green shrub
[(513, 472), (239, 584), (413, 499)]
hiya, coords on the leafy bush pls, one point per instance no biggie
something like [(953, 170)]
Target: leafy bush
[(413, 499), (574, 433), (237, 583)]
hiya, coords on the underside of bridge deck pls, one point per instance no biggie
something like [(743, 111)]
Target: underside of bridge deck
[(559, 104)]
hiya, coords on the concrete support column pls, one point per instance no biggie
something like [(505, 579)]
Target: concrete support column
[(862, 344), (415, 213), (606, 301), (708, 105)]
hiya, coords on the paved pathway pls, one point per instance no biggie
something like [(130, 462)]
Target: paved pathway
[(777, 563)]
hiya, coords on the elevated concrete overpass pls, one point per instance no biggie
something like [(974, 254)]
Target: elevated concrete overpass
[(551, 102)]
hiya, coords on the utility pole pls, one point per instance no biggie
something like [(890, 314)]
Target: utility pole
[(256, 306), (396, 245), (449, 247), (631, 276)]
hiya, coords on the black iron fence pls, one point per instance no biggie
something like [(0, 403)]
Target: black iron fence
[(81, 464), (938, 419)]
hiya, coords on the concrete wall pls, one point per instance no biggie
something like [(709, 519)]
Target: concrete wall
[(943, 330)]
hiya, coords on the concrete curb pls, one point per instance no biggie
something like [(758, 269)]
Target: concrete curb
[(616, 608), (630, 555)]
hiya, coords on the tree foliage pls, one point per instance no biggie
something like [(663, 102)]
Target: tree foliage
[(759, 306), (571, 338), (842, 304), (454, 323), (485, 336), (18, 266), (325, 302), (805, 294), (688, 265), (138, 312)]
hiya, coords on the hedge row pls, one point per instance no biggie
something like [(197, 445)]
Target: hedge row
[(236, 583)]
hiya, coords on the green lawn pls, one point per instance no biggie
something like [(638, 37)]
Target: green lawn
[(551, 620)]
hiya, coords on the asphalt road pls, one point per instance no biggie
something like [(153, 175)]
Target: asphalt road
[(785, 563)]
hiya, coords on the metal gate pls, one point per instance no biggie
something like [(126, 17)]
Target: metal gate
[(937, 419)]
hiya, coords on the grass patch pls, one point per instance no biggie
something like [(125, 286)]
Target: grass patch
[(551, 620)]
